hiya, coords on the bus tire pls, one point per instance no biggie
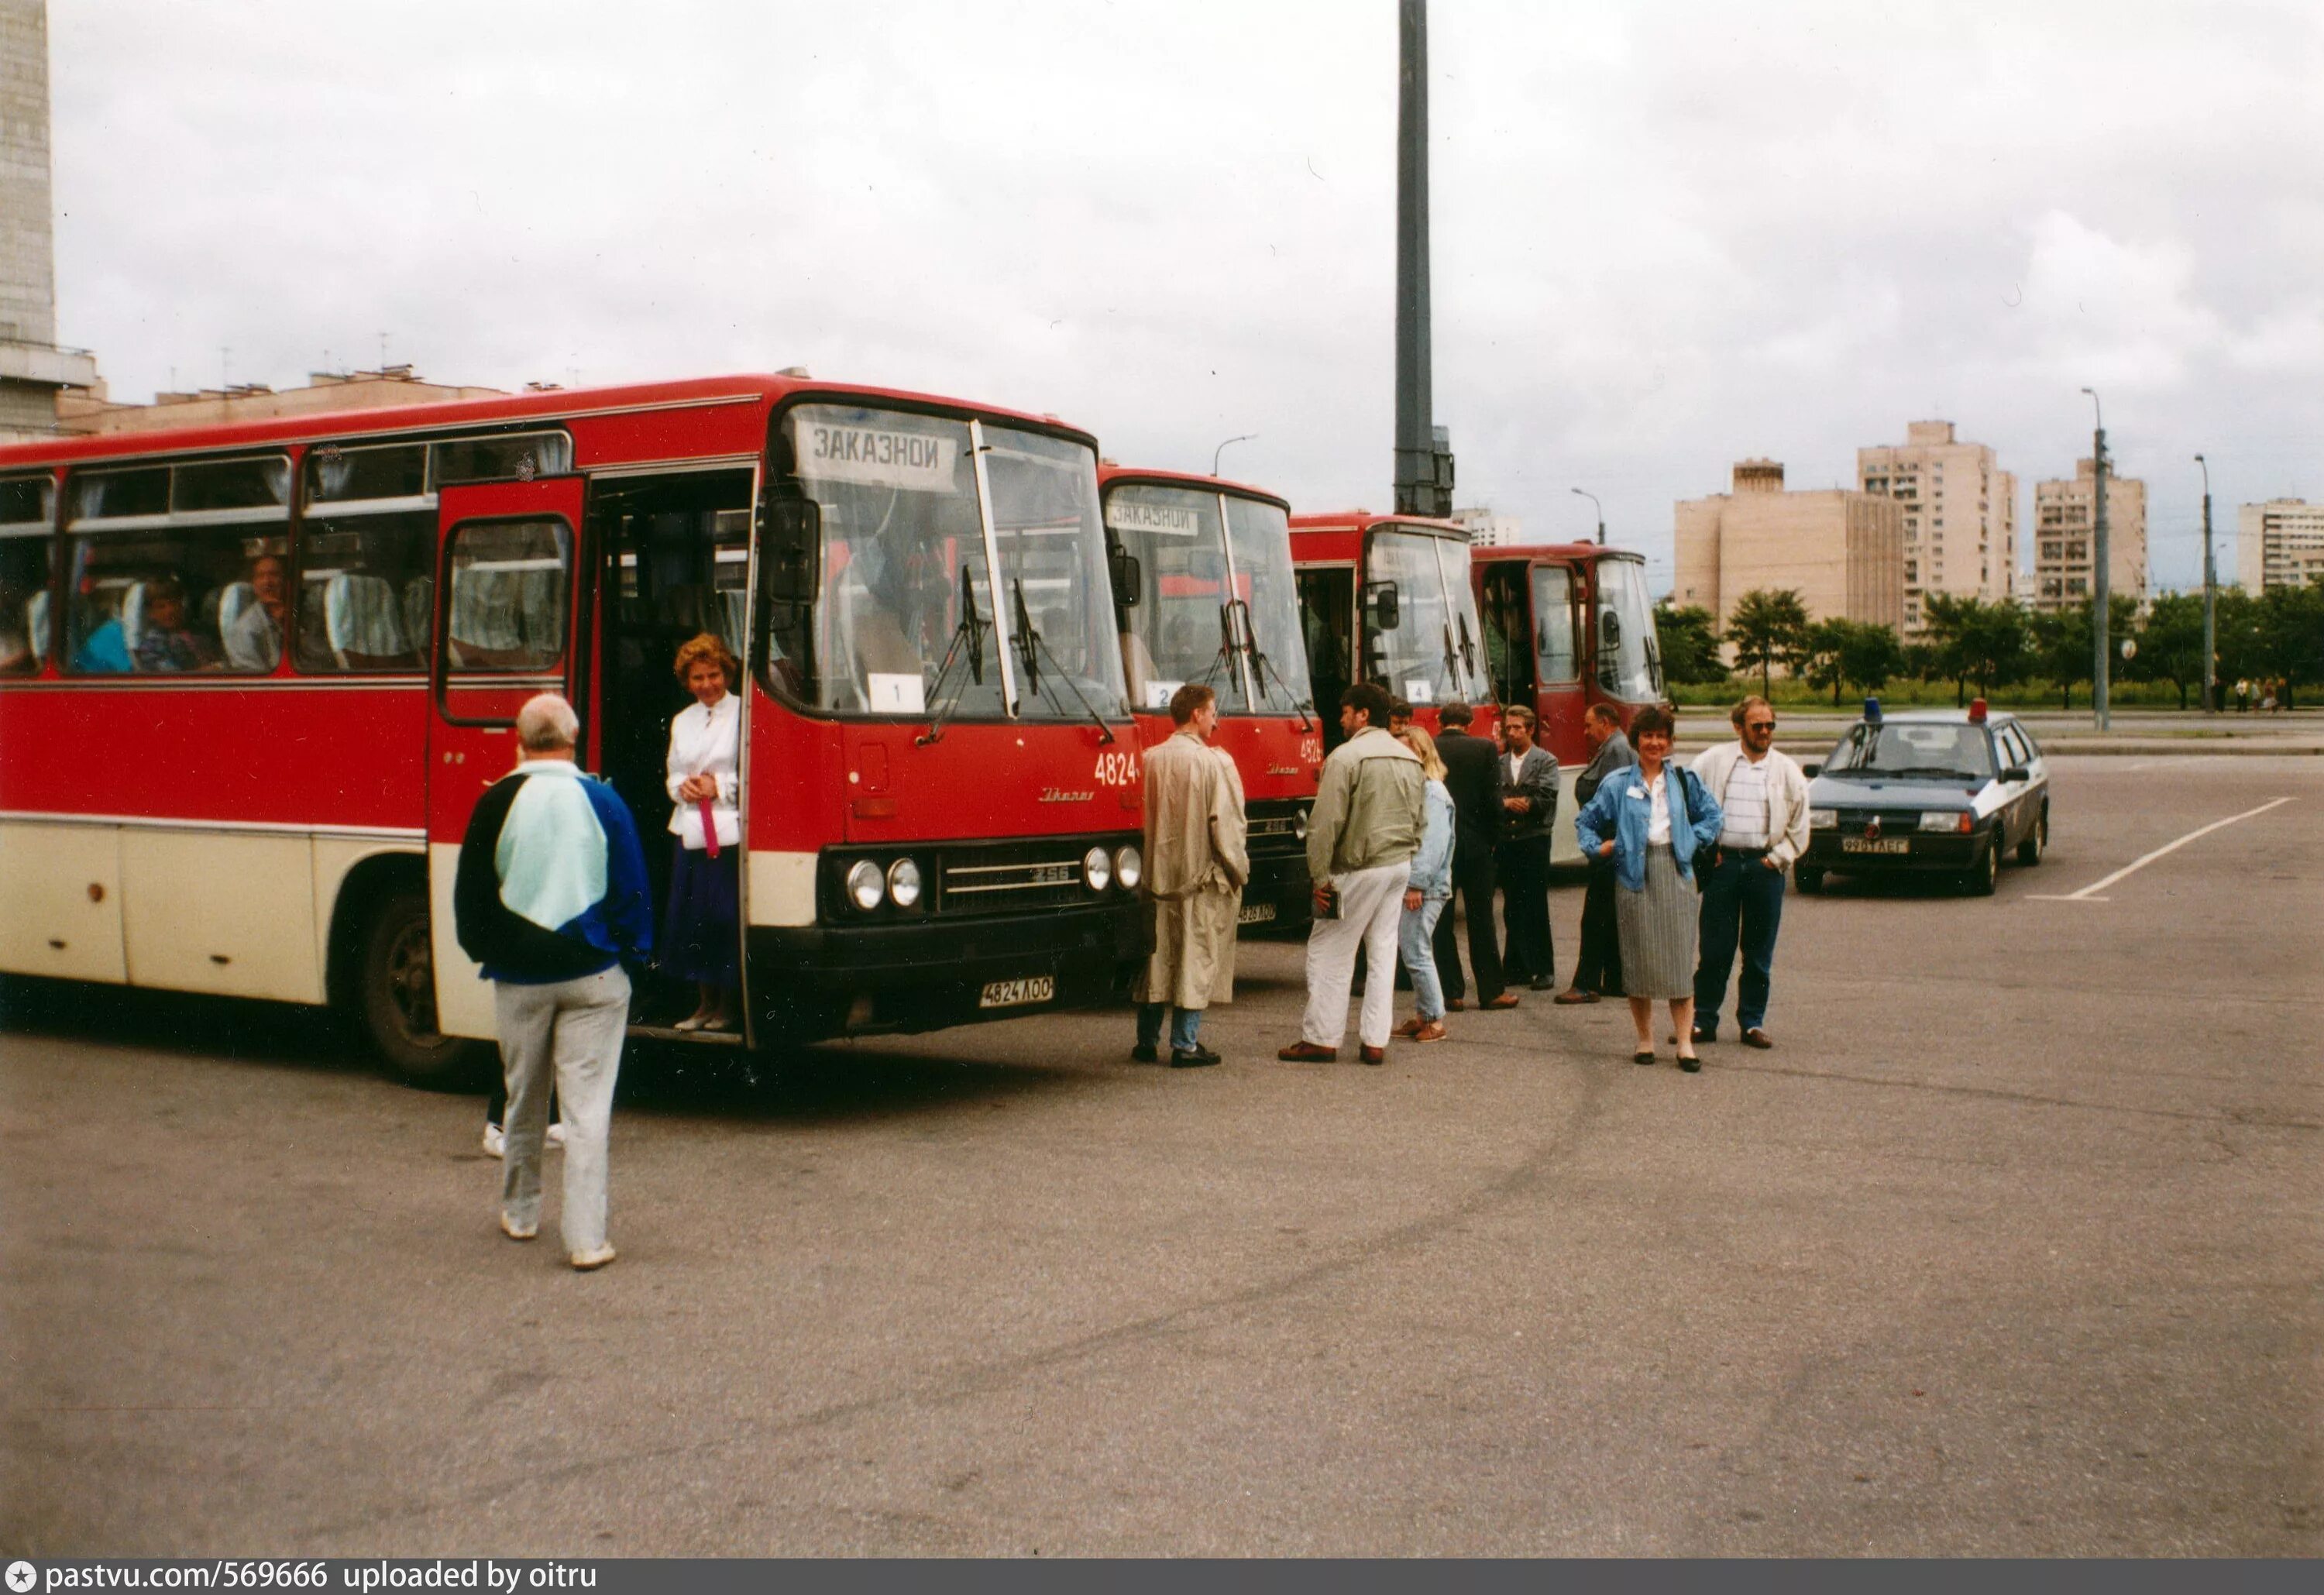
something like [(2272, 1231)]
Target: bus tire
[(396, 1000)]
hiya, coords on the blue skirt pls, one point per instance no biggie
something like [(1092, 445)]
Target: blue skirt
[(699, 938)]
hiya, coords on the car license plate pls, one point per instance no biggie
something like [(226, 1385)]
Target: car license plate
[(1039, 987), (1869, 844), (1255, 913)]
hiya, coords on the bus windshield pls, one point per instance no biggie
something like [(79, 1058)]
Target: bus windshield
[(1629, 660), (1433, 653), (906, 581), (1215, 571)]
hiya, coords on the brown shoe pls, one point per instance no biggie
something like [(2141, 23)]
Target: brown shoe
[(1454, 1005), (1756, 1037), (1573, 994), (1374, 1055), (1506, 1000), (1411, 1027), (1307, 1052), (1429, 1032)]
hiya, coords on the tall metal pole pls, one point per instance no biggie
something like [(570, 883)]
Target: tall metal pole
[(1593, 497), (1415, 438), (2101, 610), (2211, 589)]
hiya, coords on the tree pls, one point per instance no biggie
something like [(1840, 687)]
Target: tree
[(2291, 635), (1827, 651), (2061, 642), (1768, 628), (1840, 652), (1690, 644), (2170, 644)]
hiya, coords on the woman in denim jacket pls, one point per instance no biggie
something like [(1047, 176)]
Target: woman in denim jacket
[(1427, 892), (1652, 821)]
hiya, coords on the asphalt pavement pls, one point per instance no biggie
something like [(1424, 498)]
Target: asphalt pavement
[(2011, 1246)]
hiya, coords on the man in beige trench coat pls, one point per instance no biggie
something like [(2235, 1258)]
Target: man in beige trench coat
[(1196, 863)]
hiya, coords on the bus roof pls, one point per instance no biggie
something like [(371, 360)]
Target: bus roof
[(1109, 472), (1364, 520), (1486, 553), (553, 405)]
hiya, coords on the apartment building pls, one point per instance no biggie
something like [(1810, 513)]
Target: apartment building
[(1488, 529), (1961, 514), (1842, 550), (2279, 544), (2064, 526)]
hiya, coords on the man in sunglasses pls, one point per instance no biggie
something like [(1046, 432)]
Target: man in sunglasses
[(1765, 799)]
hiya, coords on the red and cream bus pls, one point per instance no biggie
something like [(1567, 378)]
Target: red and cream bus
[(1568, 625), (1205, 594), (1386, 599), (254, 676)]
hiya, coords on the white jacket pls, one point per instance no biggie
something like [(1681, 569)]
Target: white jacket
[(1788, 795), (706, 741)]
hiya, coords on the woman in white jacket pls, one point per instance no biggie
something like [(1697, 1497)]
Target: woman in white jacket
[(700, 938)]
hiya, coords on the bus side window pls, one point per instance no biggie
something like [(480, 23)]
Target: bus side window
[(366, 598), (1552, 621), (169, 601), (507, 607)]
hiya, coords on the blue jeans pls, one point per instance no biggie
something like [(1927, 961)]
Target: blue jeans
[(1740, 894), (1413, 933), (1185, 1025)]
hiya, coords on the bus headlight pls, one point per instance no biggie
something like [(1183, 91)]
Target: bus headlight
[(1299, 825), (904, 883), (1823, 819), (1130, 868), (1956, 820), (865, 885), (1097, 870)]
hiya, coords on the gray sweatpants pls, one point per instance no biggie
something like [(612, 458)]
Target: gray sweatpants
[(574, 1027)]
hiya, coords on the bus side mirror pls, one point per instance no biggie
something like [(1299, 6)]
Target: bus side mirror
[(1380, 598), (1610, 629), (791, 551), (1128, 579)]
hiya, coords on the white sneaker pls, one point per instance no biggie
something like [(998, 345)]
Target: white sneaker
[(516, 1231), (495, 1144), (556, 1134), (595, 1259)]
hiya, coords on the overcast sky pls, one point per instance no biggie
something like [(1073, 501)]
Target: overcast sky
[(1666, 236)]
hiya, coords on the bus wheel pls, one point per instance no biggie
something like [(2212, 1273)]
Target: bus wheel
[(398, 999)]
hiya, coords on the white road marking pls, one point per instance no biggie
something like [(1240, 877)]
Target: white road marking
[(2088, 894)]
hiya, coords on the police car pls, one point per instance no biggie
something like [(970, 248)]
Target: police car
[(1942, 792)]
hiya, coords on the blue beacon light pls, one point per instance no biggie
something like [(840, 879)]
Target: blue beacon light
[(1872, 710)]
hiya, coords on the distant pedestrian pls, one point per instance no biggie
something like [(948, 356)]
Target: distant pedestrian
[(1598, 968), (1361, 835), (551, 899), (1653, 822), (1762, 802), (1197, 864), (2242, 694), (1473, 771), (1529, 807), (1425, 893)]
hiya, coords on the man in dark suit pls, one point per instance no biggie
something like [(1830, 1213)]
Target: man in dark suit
[(1530, 781), (1473, 774)]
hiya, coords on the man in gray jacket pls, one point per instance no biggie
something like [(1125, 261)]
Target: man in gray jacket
[(1361, 835), (1529, 807)]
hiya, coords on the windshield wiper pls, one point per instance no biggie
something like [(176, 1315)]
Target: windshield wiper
[(1030, 644), (971, 631), (1468, 648), (1260, 670)]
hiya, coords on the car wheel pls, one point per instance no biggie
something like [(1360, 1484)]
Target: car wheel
[(398, 1001), (2029, 852), (1811, 881), (1986, 870)]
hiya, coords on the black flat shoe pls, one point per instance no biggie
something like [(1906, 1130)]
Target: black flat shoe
[(1143, 1054), (1643, 1058), (1199, 1058), (1691, 1065)]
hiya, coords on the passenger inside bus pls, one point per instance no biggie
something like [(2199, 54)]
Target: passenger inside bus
[(252, 616), (163, 641)]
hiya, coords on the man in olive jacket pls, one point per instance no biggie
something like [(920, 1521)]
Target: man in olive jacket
[(1361, 837)]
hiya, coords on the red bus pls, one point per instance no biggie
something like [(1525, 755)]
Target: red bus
[(941, 808), (1387, 599), (1568, 625), (1204, 590)]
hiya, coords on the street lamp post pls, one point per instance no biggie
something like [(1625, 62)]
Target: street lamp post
[(1222, 449), (2210, 587), (1601, 513), (2101, 609)]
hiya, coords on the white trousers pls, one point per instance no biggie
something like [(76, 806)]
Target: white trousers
[(570, 1032), (1371, 904)]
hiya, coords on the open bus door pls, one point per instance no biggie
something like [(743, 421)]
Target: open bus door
[(509, 623)]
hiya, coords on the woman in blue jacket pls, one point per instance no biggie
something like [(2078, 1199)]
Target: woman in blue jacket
[(1426, 893), (1652, 821)]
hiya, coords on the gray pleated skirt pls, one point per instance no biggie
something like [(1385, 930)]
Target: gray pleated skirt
[(1657, 928)]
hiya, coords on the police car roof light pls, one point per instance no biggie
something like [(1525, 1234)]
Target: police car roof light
[(1976, 711), (1872, 710)]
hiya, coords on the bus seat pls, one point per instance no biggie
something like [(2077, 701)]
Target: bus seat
[(419, 611), (362, 622), (132, 615), (36, 623), (882, 647), (224, 606)]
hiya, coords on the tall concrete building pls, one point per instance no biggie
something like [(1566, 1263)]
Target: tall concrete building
[(1961, 514), (2279, 544), (1486, 529), (1842, 552), (2064, 562), (33, 369)]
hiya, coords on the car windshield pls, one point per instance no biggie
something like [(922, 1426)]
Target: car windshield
[(1629, 660), (906, 580), (1901, 748), (1198, 552), (1433, 653)]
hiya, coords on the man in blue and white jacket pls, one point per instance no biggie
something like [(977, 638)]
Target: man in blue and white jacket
[(551, 898)]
